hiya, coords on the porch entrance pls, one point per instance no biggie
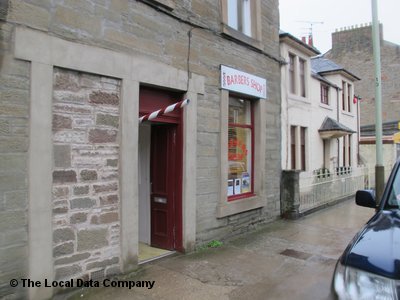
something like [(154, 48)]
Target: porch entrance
[(160, 174)]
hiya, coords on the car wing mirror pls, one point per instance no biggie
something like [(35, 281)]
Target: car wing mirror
[(366, 198)]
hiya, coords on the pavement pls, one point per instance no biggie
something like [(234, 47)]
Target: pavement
[(286, 259)]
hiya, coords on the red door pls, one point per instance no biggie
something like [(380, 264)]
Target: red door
[(163, 185)]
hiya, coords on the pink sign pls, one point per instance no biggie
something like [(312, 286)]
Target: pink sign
[(244, 83)]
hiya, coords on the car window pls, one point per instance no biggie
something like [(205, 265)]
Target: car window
[(394, 194)]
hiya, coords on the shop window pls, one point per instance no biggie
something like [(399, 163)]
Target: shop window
[(240, 148)]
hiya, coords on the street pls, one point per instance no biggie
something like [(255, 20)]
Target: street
[(283, 260)]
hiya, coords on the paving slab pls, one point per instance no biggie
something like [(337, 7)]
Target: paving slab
[(286, 259)]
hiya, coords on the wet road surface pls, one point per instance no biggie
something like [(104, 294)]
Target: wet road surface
[(284, 260)]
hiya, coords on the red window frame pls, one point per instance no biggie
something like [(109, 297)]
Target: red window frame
[(251, 127)]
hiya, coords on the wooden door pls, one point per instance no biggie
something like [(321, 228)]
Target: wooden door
[(163, 185)]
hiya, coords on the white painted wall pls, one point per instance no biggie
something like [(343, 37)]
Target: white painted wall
[(310, 112)]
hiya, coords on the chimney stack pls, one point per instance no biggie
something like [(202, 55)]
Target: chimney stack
[(310, 41)]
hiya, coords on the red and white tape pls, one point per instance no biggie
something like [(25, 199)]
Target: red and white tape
[(160, 112)]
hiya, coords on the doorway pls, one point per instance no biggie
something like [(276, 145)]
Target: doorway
[(160, 176)]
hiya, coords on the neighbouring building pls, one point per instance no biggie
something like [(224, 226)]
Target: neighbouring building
[(83, 184), (319, 124), (352, 48)]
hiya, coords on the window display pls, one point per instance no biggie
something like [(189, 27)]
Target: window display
[(240, 147)]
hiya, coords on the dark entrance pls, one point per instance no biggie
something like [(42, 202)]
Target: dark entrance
[(165, 170)]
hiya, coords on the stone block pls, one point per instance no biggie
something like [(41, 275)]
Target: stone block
[(16, 200), (98, 136), (107, 187), (64, 176), (77, 21), (60, 210), (72, 259), (88, 175), (81, 190), (66, 80), (13, 162), (13, 181), (106, 120), (112, 162), (82, 203), (109, 217), (4, 126), (60, 192), (32, 15), (62, 156), (61, 122), (69, 108), (63, 249), (63, 235), (108, 200), (13, 144), (91, 239), (67, 272), (13, 110), (69, 97), (102, 264), (100, 97), (78, 218)]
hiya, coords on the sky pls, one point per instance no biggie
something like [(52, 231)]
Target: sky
[(325, 16)]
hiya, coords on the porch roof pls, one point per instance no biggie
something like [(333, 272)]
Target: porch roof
[(331, 129)]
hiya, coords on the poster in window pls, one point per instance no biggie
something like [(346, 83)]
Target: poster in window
[(230, 187), (245, 182), (238, 186)]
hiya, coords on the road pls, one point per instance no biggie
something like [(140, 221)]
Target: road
[(284, 260)]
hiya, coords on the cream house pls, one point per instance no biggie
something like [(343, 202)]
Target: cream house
[(320, 117)]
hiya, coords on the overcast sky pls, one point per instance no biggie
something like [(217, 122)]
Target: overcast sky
[(296, 17)]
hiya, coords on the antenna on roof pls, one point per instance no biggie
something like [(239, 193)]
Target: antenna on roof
[(310, 30)]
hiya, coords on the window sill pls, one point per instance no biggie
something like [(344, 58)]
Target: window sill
[(346, 113), (325, 106), (294, 97), (241, 196), (239, 205), (241, 37)]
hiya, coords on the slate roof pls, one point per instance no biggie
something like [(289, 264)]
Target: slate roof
[(321, 65), (330, 124)]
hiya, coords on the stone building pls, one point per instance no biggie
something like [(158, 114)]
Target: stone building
[(82, 183), (352, 48)]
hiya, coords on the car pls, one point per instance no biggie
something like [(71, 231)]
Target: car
[(369, 268)]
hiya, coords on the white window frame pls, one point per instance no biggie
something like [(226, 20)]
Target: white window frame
[(241, 19)]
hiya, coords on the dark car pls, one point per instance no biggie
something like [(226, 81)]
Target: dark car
[(369, 268)]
